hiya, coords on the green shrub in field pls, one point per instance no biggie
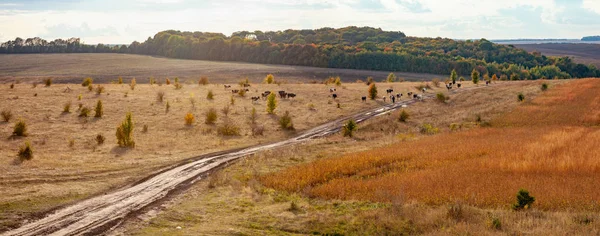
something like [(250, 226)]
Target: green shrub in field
[(524, 200), (84, 112), (228, 129), (391, 78), (403, 117), (20, 129), (100, 139), (99, 89), (125, 132), (120, 80), (495, 223), (48, 82), (285, 121), (372, 91), (210, 95), (90, 88), (87, 82), (6, 115), (99, 109), (211, 116), (429, 129), (521, 97), (271, 103), (441, 97), (67, 107), (270, 79), (349, 128), (203, 80), (544, 86), (132, 84), (253, 116), (475, 76), (26, 152)]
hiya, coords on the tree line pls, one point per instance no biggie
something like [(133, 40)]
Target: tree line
[(350, 47)]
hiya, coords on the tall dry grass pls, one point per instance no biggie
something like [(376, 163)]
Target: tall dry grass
[(550, 146)]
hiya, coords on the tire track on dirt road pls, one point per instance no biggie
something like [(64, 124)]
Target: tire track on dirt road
[(105, 212)]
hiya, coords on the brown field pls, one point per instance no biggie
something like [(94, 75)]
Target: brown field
[(233, 201), (581, 53), (549, 145), (61, 173), (104, 68)]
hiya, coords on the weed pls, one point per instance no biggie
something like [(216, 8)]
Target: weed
[(125, 132), (26, 152), (372, 91), (349, 128), (225, 110), (211, 116), (100, 139), (48, 82), (285, 121), (495, 223), (429, 129), (84, 112), (228, 129), (160, 96), (189, 119), (404, 115), (6, 115), (253, 116), (79, 97), (87, 82), (524, 200), (210, 95), (99, 89), (20, 129), (99, 109), (441, 97), (90, 88)]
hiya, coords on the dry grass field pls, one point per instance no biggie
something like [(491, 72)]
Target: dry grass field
[(104, 68), (235, 201), (69, 164), (549, 145)]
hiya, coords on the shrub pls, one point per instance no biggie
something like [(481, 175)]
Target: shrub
[(26, 152), (349, 128), (79, 97), (125, 132), (211, 116), (337, 81), (258, 130), (494, 77), (454, 127), (269, 79), (100, 139), (71, 143), (232, 100), (475, 76), (90, 88), (48, 82), (152, 81), (228, 129), (441, 97), (436, 82), (20, 129), (391, 78), (253, 116), (403, 116), (503, 77), (176, 80), (12, 86), (167, 81), (429, 129), (167, 107), (160, 96), (6, 115), (203, 80), (453, 76), (84, 112), (372, 91), (132, 84), (120, 80), (189, 119), (87, 82), (34, 85), (294, 207), (99, 89), (225, 110), (285, 121), (455, 212), (178, 85), (462, 79), (521, 97), (210, 95), (544, 86), (242, 92), (524, 200), (99, 109), (495, 223), (271, 103)]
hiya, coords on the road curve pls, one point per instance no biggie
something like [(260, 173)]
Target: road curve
[(104, 212)]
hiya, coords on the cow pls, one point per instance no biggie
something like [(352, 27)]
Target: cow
[(226, 86), (424, 90), (458, 85), (282, 94), (235, 91), (414, 96), (364, 98), (420, 97), (453, 81), (247, 90), (389, 91), (399, 95), (254, 99), (409, 94), (449, 86), (393, 98), (487, 83), (291, 95), (246, 85), (334, 96), (384, 97), (331, 90)]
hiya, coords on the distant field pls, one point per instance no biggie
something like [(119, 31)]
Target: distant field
[(107, 67), (581, 53)]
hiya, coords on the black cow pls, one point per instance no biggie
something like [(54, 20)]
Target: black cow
[(393, 98), (235, 91), (282, 94), (291, 95), (364, 98), (334, 96), (254, 99), (458, 85), (389, 91), (414, 96), (399, 95)]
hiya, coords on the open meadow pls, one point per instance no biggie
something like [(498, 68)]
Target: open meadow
[(70, 163)]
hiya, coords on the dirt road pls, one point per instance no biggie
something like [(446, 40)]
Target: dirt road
[(103, 213)]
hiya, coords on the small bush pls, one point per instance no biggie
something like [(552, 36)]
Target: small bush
[(270, 79), (48, 82), (403, 117), (253, 116), (100, 139), (441, 97), (337, 81), (176, 80), (462, 78), (6, 115), (524, 200), (84, 112), (99, 109), (228, 129), (20, 129), (71, 143), (99, 89), (145, 129), (455, 212), (120, 80), (349, 128), (79, 97), (210, 95), (495, 223), (87, 82), (225, 110), (391, 78), (167, 107), (167, 81), (285, 121), (242, 92), (160, 96), (132, 84), (370, 80), (372, 91), (521, 97), (90, 88), (258, 130), (125, 132), (544, 86), (429, 129), (271, 103), (203, 81), (152, 81), (189, 119), (26, 152), (454, 127), (211, 116), (436, 82), (178, 85), (232, 100), (294, 207), (12, 86)]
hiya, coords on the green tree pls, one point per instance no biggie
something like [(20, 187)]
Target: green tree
[(524, 200), (349, 128), (271, 103), (475, 76), (125, 132), (453, 76), (99, 109), (269, 79), (372, 91), (391, 78)]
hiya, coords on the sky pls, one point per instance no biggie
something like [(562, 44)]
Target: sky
[(125, 21)]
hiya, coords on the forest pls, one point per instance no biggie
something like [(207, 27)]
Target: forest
[(350, 48)]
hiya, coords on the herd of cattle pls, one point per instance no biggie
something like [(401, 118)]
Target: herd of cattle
[(333, 91)]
